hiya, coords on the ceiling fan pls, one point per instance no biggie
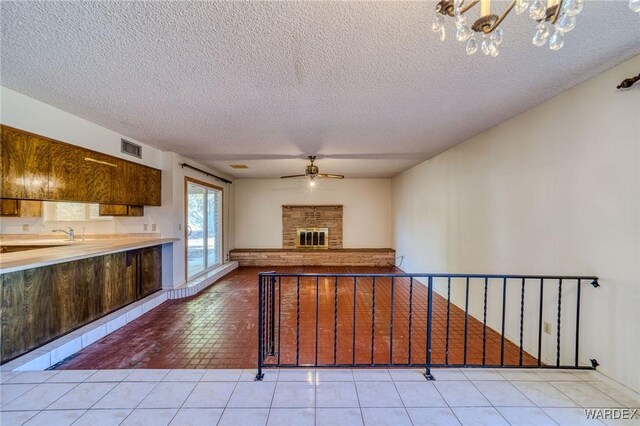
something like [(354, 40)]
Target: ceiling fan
[(312, 172)]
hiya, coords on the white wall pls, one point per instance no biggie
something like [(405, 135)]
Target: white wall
[(28, 114), (366, 211), (555, 190)]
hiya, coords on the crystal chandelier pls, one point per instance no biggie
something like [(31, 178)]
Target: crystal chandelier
[(553, 20)]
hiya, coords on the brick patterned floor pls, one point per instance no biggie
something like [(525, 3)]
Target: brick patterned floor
[(217, 328)]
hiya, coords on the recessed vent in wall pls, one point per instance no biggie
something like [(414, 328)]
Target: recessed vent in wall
[(131, 148)]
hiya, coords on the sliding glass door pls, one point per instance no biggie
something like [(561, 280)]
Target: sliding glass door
[(203, 227)]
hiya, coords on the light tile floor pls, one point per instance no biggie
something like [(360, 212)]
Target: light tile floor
[(308, 397)]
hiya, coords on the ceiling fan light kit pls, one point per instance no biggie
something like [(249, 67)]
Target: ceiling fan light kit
[(312, 172), (553, 20)]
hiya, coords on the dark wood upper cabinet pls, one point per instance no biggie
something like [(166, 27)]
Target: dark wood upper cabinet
[(37, 161), (99, 174), (153, 179), (66, 181), (25, 165), (13, 167), (39, 168), (20, 208), (9, 207), (120, 210)]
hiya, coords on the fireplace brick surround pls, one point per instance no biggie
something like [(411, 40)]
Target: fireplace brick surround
[(295, 217)]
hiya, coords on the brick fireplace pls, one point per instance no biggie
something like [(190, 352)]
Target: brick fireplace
[(298, 218), (308, 222)]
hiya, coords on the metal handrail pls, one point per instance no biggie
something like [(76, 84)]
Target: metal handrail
[(434, 275), (270, 298)]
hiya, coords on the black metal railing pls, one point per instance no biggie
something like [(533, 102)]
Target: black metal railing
[(419, 320)]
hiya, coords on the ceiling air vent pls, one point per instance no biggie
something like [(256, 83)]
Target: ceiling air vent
[(131, 148)]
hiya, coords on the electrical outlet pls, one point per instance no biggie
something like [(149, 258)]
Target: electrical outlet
[(146, 227), (25, 227), (547, 327), (154, 227)]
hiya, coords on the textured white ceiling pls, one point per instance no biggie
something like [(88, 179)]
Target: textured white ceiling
[(366, 86)]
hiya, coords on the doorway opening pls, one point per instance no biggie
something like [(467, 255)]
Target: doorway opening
[(203, 230)]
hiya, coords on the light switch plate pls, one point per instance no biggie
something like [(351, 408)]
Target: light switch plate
[(154, 227), (547, 327)]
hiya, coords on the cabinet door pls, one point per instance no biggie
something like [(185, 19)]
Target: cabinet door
[(120, 192), (9, 207), (64, 278), (151, 274), (37, 162), (132, 275), (99, 171), (28, 208), (114, 275), (134, 186), (120, 210), (140, 185), (12, 146), (112, 210), (153, 187), (66, 182)]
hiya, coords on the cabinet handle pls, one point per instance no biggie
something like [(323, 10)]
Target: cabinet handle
[(100, 162)]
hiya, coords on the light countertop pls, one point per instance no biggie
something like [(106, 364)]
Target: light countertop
[(67, 251)]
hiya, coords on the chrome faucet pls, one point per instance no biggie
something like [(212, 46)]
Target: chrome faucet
[(70, 233)]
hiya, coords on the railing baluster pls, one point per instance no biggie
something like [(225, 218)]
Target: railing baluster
[(259, 375), (429, 319), (279, 315), (446, 350), (317, 316), (298, 321), (559, 315), (578, 321), (410, 317), (272, 316), (373, 321), (466, 320), (521, 321), (484, 322), (504, 309), (265, 308), (540, 322), (353, 350), (391, 325), (335, 322)]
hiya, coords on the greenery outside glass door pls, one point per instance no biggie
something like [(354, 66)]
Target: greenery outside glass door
[(203, 227)]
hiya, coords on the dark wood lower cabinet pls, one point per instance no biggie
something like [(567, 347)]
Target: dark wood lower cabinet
[(40, 304)]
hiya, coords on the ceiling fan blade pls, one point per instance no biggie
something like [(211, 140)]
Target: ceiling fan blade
[(330, 176), (291, 176)]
